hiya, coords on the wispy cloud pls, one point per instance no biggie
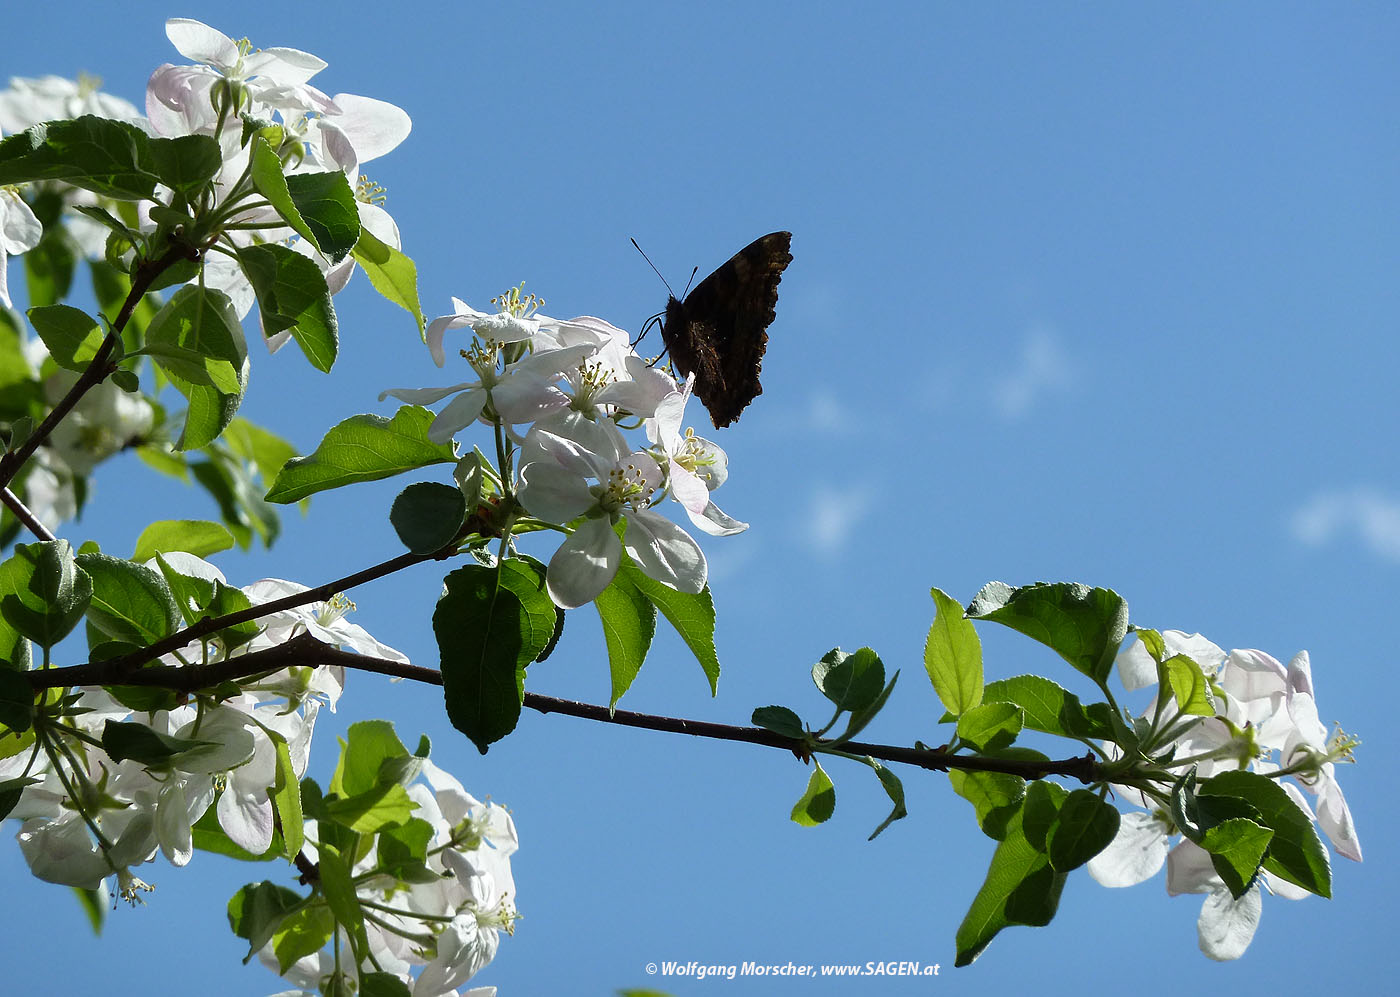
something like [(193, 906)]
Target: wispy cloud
[(1043, 367), (1368, 515), (833, 518)]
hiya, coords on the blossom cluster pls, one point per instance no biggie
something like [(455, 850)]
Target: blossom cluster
[(1265, 721), (562, 390), (110, 780)]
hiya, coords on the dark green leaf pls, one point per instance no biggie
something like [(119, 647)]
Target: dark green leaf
[(780, 720), (1050, 708), (1296, 853), (128, 739), (428, 515), (991, 725), (1237, 846), (851, 681), (202, 322), (1020, 888), (286, 798), (490, 623), (339, 889), (327, 204), (1085, 827), (130, 602), (894, 789), (362, 448), (1083, 625), (292, 295), (255, 912), (16, 701), (43, 592), (97, 154), (383, 985), (996, 796)]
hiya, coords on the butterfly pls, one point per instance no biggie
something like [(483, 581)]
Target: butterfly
[(720, 331)]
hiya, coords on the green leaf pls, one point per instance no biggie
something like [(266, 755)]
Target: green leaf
[(1020, 888), (362, 448), (1237, 846), (195, 536), (267, 451), (1296, 853), (851, 681), (43, 592), (339, 889), (780, 720), (387, 805), (49, 266), (1040, 813), (391, 273), (1083, 625), (130, 602), (367, 746), (991, 725), (818, 803), (629, 624), (692, 616), (11, 790), (301, 933), (1085, 826), (192, 593), (327, 204), (953, 656), (894, 789), (209, 836), (490, 623), (286, 798), (292, 295), (403, 850), (860, 718), (1188, 685), (320, 207), (186, 163), (202, 322), (995, 796), (97, 154), (129, 739), (1050, 708), (256, 911), (428, 515), (72, 336), (16, 702)]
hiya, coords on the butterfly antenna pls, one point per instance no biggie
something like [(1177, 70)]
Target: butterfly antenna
[(657, 272), (689, 282)]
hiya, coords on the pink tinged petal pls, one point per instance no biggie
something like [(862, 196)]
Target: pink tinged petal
[(374, 127), (1334, 817), (196, 40), (665, 551), (584, 564), (1226, 925), (1300, 674), (689, 490), (554, 493), (1136, 854)]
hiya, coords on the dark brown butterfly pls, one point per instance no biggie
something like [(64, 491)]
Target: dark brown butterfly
[(720, 330)]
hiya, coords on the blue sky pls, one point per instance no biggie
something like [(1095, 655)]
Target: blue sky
[(1087, 292)]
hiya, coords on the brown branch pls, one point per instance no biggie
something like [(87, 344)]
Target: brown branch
[(101, 364), (303, 649), (31, 522)]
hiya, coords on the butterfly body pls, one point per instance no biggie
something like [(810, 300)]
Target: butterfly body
[(719, 332)]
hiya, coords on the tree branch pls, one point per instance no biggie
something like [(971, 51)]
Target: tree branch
[(304, 649)]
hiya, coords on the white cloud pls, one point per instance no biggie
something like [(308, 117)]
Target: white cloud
[(1367, 514), (833, 518), (1043, 367)]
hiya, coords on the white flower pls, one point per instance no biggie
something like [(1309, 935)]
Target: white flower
[(28, 102), (695, 465), (554, 486), (20, 232)]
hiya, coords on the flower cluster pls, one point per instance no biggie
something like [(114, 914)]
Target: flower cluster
[(111, 777), (1265, 721), (563, 390)]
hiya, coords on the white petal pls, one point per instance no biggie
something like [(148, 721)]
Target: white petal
[(665, 551), (716, 522), (196, 40), (457, 415), (1226, 925), (374, 127), (553, 493), (584, 564), (1135, 854)]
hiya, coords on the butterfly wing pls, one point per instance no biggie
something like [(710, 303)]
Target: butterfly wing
[(720, 331)]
